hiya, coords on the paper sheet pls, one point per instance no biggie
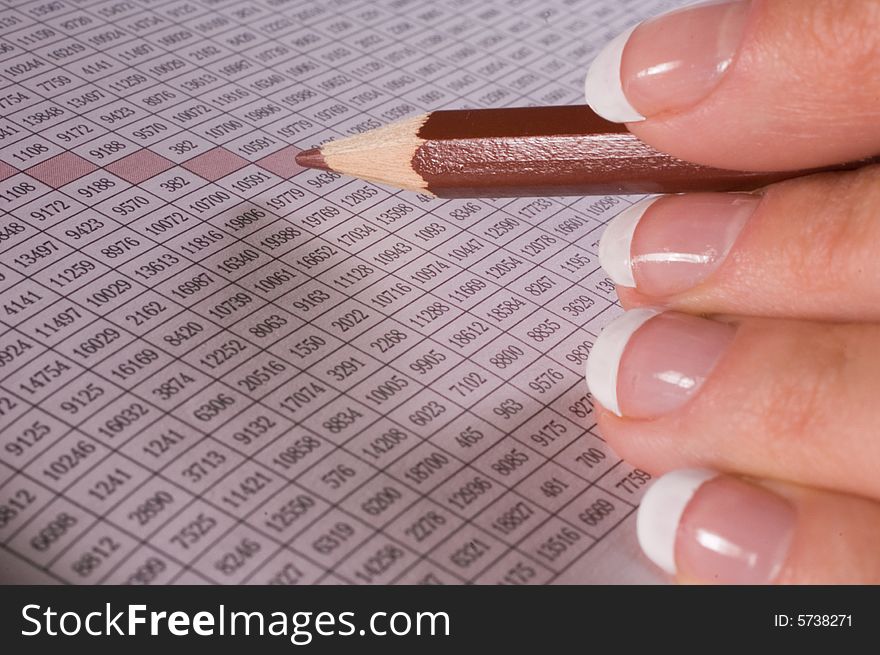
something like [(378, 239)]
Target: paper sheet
[(216, 367)]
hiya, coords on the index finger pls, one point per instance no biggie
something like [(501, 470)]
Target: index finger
[(751, 85)]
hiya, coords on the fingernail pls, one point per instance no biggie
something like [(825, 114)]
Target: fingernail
[(646, 363), (667, 63), (669, 244), (712, 528)]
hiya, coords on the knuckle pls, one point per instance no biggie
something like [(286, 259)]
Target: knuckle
[(791, 404), (831, 226), (842, 32), (832, 43), (840, 27)]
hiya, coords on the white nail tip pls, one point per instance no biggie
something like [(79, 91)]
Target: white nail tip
[(603, 89), (616, 243), (660, 513), (604, 360)]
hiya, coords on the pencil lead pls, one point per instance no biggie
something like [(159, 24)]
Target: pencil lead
[(312, 158)]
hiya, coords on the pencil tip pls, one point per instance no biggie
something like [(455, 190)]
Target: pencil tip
[(312, 158)]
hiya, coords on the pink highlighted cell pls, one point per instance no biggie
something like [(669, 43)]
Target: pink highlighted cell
[(61, 169), (282, 163), (139, 166), (215, 164), (6, 170)]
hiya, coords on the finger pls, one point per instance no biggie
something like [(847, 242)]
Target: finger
[(804, 248), (761, 85), (703, 527), (785, 400)]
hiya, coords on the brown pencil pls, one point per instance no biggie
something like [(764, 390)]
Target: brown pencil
[(527, 151)]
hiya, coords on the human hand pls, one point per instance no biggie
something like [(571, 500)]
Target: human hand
[(751, 348)]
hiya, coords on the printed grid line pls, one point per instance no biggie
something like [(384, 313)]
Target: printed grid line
[(383, 416)]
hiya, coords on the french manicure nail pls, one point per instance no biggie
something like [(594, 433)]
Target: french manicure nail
[(615, 245), (707, 527), (669, 244), (646, 363), (667, 63), (603, 87)]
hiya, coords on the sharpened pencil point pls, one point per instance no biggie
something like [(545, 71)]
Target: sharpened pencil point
[(312, 158)]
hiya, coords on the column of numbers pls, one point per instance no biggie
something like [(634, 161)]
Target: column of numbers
[(219, 367)]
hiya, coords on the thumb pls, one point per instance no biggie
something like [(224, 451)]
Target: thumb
[(749, 84)]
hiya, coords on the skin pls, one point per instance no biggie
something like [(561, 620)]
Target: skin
[(801, 92), (793, 405)]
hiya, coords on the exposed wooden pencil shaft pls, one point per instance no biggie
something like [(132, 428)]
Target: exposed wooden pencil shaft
[(382, 155)]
